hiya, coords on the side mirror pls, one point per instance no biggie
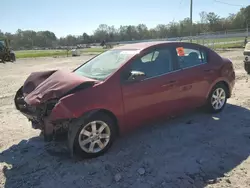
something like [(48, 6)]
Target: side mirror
[(136, 76)]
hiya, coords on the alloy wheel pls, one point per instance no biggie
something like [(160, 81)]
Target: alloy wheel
[(94, 137), (218, 98)]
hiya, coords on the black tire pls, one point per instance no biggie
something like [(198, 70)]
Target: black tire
[(248, 70), (247, 67), (209, 107), (12, 57), (95, 117), (3, 59)]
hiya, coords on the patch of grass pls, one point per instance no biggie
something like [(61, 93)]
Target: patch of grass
[(39, 53), (233, 45), (51, 53), (216, 40), (96, 50), (236, 42), (226, 45)]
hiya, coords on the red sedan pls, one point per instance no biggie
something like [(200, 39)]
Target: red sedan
[(123, 88)]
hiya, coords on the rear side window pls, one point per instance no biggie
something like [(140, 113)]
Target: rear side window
[(190, 57)]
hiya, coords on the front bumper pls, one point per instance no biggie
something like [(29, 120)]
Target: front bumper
[(38, 116), (30, 112)]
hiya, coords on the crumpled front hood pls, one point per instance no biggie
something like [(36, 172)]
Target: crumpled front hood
[(42, 86)]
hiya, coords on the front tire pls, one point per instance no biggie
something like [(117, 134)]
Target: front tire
[(95, 136), (217, 98)]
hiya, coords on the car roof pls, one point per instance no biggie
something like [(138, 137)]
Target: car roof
[(144, 45)]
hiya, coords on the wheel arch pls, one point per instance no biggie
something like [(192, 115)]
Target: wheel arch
[(112, 116), (106, 112), (224, 82), (227, 86)]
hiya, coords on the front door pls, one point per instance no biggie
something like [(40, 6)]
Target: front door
[(155, 96)]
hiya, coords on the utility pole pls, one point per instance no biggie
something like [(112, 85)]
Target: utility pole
[(191, 19)]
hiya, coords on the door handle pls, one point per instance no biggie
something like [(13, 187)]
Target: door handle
[(186, 88), (170, 83), (209, 70)]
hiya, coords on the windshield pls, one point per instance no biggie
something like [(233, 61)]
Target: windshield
[(103, 65)]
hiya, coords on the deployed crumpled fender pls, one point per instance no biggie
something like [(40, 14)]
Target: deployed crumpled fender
[(43, 86)]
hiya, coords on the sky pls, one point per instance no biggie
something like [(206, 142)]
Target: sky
[(74, 17)]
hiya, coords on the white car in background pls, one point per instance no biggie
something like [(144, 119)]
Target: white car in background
[(76, 52)]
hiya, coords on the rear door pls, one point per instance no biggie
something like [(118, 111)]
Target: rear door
[(197, 74)]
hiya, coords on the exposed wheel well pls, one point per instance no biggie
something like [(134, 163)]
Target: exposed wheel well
[(111, 115)]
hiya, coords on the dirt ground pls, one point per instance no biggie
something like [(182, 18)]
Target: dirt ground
[(195, 150)]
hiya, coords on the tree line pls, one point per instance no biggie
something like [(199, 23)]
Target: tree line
[(209, 22)]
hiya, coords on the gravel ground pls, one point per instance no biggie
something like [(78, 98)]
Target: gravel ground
[(195, 150)]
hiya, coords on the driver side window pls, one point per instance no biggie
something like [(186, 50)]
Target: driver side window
[(154, 63)]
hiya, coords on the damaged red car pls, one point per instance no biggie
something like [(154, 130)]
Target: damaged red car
[(123, 88)]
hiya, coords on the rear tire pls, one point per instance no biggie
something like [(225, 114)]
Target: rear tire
[(94, 136), (217, 98)]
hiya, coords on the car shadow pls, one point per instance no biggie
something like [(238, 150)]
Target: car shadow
[(190, 151)]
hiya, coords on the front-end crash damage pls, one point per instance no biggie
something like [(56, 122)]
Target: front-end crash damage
[(41, 92)]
